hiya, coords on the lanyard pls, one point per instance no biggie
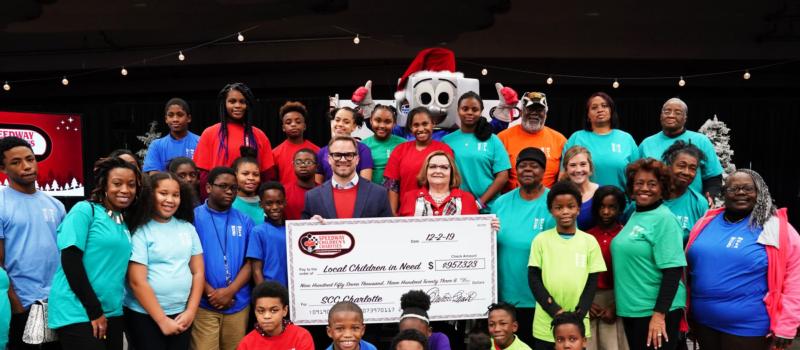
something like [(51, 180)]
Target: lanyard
[(223, 243)]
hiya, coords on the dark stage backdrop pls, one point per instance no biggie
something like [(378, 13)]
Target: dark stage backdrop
[(765, 122)]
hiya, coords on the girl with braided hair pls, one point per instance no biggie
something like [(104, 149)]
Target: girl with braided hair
[(221, 143), (744, 270)]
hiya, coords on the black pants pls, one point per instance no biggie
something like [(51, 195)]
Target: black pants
[(144, 333), (637, 328), (79, 336), (712, 339), (525, 321), (15, 330)]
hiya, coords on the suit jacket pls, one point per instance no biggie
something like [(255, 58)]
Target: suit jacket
[(372, 201)]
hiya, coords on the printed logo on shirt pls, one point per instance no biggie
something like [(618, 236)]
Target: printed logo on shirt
[(733, 242), (616, 147), (546, 151), (538, 224), (388, 153), (580, 260), (637, 231), (49, 214), (683, 221), (236, 230), (482, 146), (190, 153), (186, 239)]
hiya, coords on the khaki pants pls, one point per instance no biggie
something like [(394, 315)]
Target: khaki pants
[(215, 331), (606, 336)]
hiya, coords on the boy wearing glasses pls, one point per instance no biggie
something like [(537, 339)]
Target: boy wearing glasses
[(345, 194), (224, 232), (305, 166), (293, 123)]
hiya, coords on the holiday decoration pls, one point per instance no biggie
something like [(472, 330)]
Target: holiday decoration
[(718, 133), (148, 138)]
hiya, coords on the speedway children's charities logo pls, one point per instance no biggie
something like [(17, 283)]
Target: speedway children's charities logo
[(326, 244)]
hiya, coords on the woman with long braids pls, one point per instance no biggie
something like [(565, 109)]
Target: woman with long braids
[(220, 144), (85, 305), (744, 270)]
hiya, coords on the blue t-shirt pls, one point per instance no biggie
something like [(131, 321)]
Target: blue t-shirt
[(521, 221), (688, 208), (362, 344), (654, 147), (268, 244), (477, 161), (364, 160), (611, 153), (28, 224), (165, 248), (728, 271), (162, 150), (223, 234), (586, 218)]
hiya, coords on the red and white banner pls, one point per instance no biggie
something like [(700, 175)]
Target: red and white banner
[(56, 142)]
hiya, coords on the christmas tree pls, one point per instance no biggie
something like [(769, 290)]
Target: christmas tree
[(147, 139), (718, 133)]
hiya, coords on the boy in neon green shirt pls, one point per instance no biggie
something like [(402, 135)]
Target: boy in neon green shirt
[(564, 265)]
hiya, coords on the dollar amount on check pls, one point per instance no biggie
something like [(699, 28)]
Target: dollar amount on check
[(372, 262)]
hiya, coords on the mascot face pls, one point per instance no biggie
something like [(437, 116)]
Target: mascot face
[(439, 92)]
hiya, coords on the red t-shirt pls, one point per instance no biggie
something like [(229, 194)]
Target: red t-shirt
[(283, 156), (292, 338), (409, 200), (295, 201), (405, 162), (208, 154), (345, 202), (605, 280)]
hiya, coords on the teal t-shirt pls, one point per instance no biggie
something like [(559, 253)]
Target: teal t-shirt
[(688, 208), (165, 248), (250, 206), (106, 247), (649, 242), (380, 154), (520, 222), (477, 161), (611, 153), (5, 308), (654, 147)]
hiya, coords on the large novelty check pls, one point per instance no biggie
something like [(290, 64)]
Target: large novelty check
[(372, 262)]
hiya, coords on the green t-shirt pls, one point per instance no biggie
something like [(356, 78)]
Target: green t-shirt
[(106, 247), (649, 242), (380, 154), (520, 222), (250, 206), (517, 344), (477, 161), (566, 265), (611, 153), (688, 208), (655, 145)]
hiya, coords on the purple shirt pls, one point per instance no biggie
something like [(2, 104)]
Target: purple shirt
[(438, 341), (364, 160)]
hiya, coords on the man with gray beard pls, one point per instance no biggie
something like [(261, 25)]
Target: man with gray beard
[(531, 132)]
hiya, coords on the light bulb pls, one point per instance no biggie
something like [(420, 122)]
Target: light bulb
[(549, 80), (356, 40), (615, 84), (484, 71), (6, 87), (240, 37), (123, 71), (181, 57), (65, 81), (681, 82), (746, 75)]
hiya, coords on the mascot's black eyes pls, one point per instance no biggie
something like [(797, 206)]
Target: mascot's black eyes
[(425, 98), (443, 98)]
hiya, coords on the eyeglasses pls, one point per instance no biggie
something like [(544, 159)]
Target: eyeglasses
[(443, 167), (304, 162), (675, 112), (345, 155), (226, 187), (746, 189)]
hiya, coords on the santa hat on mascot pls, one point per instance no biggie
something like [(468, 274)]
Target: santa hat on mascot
[(435, 59)]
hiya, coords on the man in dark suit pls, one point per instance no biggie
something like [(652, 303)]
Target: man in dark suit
[(346, 195)]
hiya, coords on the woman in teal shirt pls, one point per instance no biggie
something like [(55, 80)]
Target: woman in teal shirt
[(479, 154), (687, 204), (86, 297), (612, 149)]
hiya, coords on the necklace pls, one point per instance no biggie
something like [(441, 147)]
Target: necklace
[(223, 243), (439, 198)]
